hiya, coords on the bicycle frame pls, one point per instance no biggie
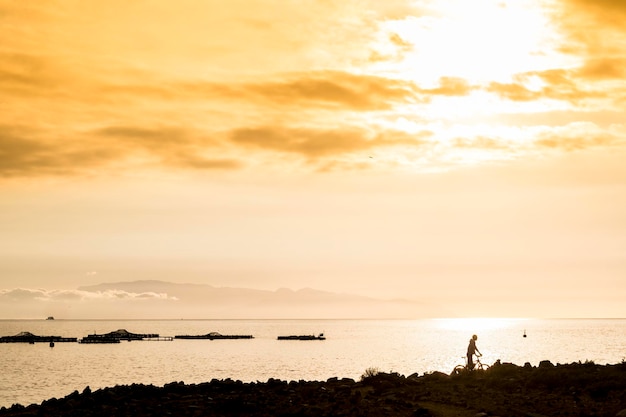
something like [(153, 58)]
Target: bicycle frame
[(478, 365)]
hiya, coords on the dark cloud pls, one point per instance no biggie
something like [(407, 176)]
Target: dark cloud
[(314, 143), (342, 90), (29, 75), (311, 90), (21, 155), (191, 161), (339, 90), (144, 86), (22, 73), (174, 146), (24, 154), (137, 136)]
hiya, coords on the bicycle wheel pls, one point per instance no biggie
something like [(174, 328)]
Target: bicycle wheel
[(483, 366)]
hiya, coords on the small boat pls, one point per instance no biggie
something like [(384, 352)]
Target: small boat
[(303, 337), (214, 336)]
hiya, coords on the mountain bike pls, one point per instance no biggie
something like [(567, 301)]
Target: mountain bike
[(478, 365)]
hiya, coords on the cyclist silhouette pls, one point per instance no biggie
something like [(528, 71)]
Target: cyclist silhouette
[(471, 350)]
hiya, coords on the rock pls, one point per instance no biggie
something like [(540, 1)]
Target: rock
[(545, 364), (506, 390)]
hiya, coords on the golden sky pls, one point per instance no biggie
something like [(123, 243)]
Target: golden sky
[(467, 154)]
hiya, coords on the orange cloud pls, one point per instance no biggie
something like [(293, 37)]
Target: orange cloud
[(576, 143), (479, 142), (604, 69), (451, 86), (334, 90), (594, 28), (599, 12), (578, 136)]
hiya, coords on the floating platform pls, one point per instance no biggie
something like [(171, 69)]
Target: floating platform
[(215, 336), (121, 334), (27, 337), (303, 337)]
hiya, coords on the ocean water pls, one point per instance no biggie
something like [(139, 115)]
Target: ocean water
[(33, 373)]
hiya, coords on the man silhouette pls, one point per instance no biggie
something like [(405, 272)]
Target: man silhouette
[(471, 350)]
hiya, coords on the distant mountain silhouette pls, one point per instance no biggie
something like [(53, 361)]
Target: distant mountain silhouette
[(206, 301)]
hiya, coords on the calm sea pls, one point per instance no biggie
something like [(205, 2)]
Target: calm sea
[(33, 373)]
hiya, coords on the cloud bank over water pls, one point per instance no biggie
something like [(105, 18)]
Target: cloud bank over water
[(44, 295), (175, 301)]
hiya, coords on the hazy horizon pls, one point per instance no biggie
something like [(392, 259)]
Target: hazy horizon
[(468, 157)]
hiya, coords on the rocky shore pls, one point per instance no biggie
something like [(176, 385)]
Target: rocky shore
[(577, 389)]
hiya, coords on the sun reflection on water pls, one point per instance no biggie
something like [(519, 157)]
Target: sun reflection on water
[(477, 324)]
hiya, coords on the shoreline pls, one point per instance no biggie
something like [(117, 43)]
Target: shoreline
[(505, 389)]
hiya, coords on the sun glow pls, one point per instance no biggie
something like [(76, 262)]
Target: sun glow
[(480, 41), (462, 56)]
